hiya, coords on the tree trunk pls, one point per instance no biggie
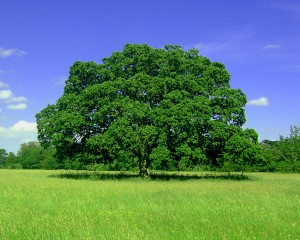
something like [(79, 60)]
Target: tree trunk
[(144, 171)]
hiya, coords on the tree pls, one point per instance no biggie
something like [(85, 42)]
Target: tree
[(289, 148), (47, 158), (32, 155), (243, 149), (3, 156), (29, 155), (166, 108), (12, 161), (284, 154)]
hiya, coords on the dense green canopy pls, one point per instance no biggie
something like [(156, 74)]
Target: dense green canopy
[(160, 108)]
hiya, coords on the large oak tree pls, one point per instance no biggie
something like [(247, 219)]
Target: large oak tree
[(161, 108)]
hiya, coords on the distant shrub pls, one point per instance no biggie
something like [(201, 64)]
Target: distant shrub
[(15, 166)]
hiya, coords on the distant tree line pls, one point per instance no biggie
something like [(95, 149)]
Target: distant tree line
[(282, 155), (30, 156)]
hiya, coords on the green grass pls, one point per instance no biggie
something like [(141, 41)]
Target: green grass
[(35, 206)]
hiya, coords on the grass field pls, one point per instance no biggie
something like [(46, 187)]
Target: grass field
[(35, 206)]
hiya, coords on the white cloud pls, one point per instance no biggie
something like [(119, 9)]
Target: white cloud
[(8, 97), (22, 131), (3, 85), (19, 128), (20, 106), (263, 101), (4, 53), (6, 94), (2, 71), (23, 126)]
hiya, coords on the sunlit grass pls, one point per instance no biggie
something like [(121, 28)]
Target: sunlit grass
[(35, 206)]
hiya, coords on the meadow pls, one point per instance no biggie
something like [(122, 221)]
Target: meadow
[(36, 206)]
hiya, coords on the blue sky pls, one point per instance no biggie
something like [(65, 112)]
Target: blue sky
[(257, 40)]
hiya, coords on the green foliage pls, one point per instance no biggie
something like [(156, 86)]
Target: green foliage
[(162, 108), (283, 155), (97, 167), (3, 156), (289, 148), (30, 156), (12, 162), (47, 158), (243, 150)]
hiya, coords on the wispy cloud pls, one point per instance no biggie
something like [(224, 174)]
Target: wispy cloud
[(271, 46), (4, 53), (293, 68), (3, 85), (293, 7), (6, 71), (18, 99), (231, 45), (263, 101), (212, 47), (61, 81), (20, 106), (240, 46)]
